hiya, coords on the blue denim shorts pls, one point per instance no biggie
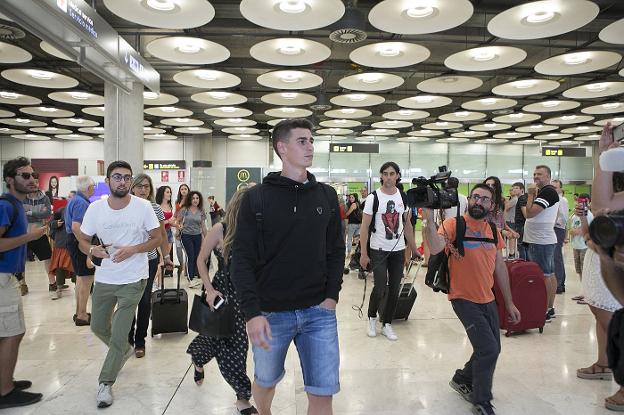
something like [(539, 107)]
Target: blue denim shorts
[(315, 333), (544, 256)]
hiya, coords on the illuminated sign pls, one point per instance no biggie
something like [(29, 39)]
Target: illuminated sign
[(354, 148), (164, 164), (564, 152)]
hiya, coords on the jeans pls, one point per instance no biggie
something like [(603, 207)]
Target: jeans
[(192, 244), (352, 230), (559, 265), (113, 307), (315, 333), (543, 255), (387, 272), (136, 337), (481, 324)]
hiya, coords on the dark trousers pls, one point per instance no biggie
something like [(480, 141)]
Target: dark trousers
[(481, 324), (387, 272), (136, 336), (192, 244), (559, 265)]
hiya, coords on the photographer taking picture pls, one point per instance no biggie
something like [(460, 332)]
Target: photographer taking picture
[(470, 292)]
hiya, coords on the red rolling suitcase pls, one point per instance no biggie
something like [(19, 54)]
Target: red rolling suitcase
[(528, 291)]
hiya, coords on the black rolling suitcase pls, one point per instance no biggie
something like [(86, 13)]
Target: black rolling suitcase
[(407, 295), (169, 310)]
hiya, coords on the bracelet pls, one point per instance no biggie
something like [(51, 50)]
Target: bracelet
[(91, 250), (167, 256)]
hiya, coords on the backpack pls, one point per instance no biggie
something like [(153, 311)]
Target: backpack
[(257, 206), (438, 275), (12, 220)]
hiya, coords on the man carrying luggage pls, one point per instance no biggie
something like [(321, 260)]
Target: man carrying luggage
[(287, 262), (471, 281), (385, 215), (128, 229)]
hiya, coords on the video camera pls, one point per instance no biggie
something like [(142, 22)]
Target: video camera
[(608, 230), (438, 192)]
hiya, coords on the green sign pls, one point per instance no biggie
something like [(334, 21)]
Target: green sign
[(239, 177)]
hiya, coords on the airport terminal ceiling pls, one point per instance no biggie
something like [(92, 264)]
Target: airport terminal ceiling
[(408, 87)]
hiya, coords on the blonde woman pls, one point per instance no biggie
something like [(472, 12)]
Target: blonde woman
[(231, 353)]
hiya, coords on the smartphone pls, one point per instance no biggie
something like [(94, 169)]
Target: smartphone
[(218, 302), (618, 133), (584, 203)]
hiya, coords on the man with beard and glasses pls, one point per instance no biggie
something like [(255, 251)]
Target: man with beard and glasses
[(127, 229), (471, 281), (14, 235)]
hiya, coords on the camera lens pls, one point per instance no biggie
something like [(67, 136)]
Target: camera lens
[(607, 231)]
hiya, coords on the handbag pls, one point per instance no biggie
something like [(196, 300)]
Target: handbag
[(219, 323)]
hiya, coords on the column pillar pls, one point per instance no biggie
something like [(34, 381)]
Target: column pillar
[(123, 123)]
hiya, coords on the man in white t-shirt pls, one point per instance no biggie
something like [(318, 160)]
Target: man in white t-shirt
[(387, 246), (539, 229), (128, 229)]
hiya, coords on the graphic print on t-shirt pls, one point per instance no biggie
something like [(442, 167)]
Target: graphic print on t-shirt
[(390, 220), (477, 244)]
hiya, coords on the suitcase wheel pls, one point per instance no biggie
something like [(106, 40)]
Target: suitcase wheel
[(541, 330), (406, 318), (508, 334)]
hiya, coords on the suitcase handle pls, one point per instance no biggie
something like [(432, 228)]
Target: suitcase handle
[(408, 269), (162, 287)]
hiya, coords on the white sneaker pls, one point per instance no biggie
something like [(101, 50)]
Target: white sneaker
[(372, 327), (387, 331), (104, 396)]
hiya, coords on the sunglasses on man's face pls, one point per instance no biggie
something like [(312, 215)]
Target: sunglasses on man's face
[(27, 176)]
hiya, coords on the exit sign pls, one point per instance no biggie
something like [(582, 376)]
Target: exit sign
[(564, 152)]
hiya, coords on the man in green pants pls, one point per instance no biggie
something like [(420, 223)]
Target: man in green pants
[(127, 229)]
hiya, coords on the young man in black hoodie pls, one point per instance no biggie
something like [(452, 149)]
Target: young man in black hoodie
[(287, 263)]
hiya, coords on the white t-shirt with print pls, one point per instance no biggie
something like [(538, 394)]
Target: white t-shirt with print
[(123, 227), (388, 221)]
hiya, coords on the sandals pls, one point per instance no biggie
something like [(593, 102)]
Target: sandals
[(198, 376), (595, 372), (577, 298), (615, 402)]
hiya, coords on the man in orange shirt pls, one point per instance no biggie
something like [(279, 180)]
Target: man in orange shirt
[(471, 281)]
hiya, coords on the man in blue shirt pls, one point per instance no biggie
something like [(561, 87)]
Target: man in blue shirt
[(14, 235), (74, 212)]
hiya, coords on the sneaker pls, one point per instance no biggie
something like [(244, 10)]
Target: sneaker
[(483, 408), (551, 312), (361, 275), (464, 389), (372, 327), (59, 293), (53, 291), (104, 396), (139, 352), (548, 318), (18, 397), (387, 331), (23, 289)]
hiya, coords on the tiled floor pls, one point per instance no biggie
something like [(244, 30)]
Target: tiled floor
[(535, 373)]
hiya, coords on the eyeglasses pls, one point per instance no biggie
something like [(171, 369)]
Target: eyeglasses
[(119, 177), (482, 199), (27, 176)]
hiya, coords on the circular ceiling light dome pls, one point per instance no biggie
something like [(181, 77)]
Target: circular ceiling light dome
[(292, 15), (166, 14)]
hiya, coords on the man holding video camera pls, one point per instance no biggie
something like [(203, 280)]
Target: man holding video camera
[(384, 217), (470, 292)]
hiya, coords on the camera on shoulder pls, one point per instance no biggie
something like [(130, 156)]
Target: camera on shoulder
[(608, 230), (437, 192)]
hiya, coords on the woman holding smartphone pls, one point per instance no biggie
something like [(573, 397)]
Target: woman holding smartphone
[(192, 220), (231, 353), (183, 191)]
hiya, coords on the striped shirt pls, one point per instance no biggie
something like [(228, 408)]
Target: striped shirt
[(161, 217)]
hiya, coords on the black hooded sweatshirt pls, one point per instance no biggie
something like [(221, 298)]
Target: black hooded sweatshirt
[(303, 243)]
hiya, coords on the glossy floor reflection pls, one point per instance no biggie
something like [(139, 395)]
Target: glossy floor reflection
[(536, 373)]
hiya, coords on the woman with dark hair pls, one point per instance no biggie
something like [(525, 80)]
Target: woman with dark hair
[(53, 184), (142, 187), (183, 191), (192, 220), (163, 199), (231, 352), (497, 214), (354, 219)]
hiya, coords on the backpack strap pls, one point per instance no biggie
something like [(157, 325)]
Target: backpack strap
[(332, 213), (371, 227), (257, 206), (460, 234)]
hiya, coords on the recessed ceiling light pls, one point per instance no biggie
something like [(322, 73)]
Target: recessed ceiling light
[(193, 128), (289, 110), (45, 75), (576, 58), (470, 133), (98, 128), (582, 127), (80, 95), (448, 79), (420, 9), (47, 109), (550, 104), (599, 87), (552, 135), (489, 101), (541, 16), (228, 109), (22, 120), (51, 128), (568, 117), (182, 120), (483, 55), (536, 126), (424, 99), (425, 131), (389, 51), (516, 115), (292, 6), (289, 95), (513, 134), (161, 5), (168, 109), (611, 105), (618, 119), (340, 121), (207, 75), (188, 46), (441, 123), (218, 94), (347, 110), (236, 120), (357, 97), (490, 125), (370, 78), (333, 129), (290, 50), (462, 114), (405, 112), (290, 77), (524, 84), (150, 95), (76, 120), (9, 95)]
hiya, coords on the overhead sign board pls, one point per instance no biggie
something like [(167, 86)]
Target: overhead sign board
[(354, 148), (164, 164), (564, 152)]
